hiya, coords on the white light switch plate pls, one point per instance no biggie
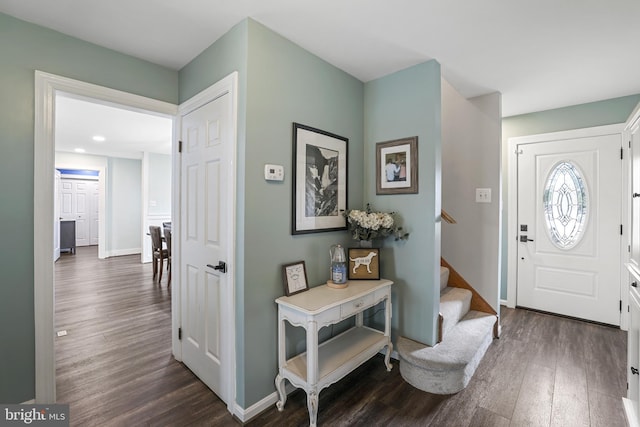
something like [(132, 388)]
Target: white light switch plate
[(274, 172), (483, 195)]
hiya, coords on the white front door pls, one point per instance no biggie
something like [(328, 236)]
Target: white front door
[(569, 227), (205, 168)]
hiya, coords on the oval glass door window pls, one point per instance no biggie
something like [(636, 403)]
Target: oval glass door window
[(565, 205)]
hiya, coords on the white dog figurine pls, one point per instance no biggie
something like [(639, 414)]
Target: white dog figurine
[(363, 260)]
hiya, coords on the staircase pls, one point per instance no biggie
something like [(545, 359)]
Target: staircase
[(467, 327)]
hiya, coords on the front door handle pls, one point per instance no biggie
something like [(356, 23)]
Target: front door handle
[(525, 239), (222, 266)]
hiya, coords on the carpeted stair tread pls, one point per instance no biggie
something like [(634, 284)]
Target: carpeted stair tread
[(455, 303), (457, 349), (447, 367)]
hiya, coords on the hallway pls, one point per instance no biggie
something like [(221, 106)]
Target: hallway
[(115, 366)]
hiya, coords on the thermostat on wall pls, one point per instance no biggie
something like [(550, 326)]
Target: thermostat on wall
[(274, 172)]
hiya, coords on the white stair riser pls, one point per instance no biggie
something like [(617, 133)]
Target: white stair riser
[(455, 303)]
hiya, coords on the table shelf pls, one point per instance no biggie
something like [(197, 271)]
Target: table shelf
[(353, 344)]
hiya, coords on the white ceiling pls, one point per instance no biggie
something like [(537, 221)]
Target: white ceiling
[(539, 54), (127, 133)]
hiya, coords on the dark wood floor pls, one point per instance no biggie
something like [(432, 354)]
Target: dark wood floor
[(115, 367)]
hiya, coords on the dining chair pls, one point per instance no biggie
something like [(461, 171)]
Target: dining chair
[(158, 253), (167, 237)]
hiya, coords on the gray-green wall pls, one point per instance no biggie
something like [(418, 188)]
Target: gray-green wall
[(159, 184), (607, 112), (279, 83), (405, 104), (123, 204), (25, 48), (286, 84)]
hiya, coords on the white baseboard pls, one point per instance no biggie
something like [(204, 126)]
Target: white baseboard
[(244, 415), (122, 252), (629, 412), (29, 402), (503, 302)]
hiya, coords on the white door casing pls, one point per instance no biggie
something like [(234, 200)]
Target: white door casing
[(583, 279), (206, 163), (56, 215), (46, 87), (94, 213)]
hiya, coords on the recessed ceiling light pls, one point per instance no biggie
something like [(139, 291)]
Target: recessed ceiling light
[(98, 138), (80, 150)]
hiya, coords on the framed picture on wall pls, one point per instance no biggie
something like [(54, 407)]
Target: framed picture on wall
[(397, 166), (319, 180)]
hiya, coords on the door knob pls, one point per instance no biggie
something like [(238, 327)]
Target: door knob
[(634, 371), (525, 239), (222, 266)]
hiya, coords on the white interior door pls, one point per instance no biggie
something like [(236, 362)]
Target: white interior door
[(569, 223), (205, 168), (56, 214), (75, 204)]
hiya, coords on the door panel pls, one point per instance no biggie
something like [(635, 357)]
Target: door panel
[(205, 167), (565, 267)]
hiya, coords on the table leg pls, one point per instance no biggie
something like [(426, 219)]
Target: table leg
[(312, 371), (387, 357), (387, 332), (312, 405), (281, 393)]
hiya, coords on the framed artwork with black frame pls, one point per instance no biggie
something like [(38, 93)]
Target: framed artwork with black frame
[(364, 264), (294, 276), (319, 180), (397, 166)]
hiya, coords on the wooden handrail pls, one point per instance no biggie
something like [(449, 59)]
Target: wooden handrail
[(448, 218)]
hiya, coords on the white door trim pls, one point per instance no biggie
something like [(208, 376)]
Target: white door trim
[(228, 85), (46, 87), (512, 205)]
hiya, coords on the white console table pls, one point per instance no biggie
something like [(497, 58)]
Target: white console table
[(324, 364)]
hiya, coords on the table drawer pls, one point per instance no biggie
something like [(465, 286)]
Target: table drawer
[(352, 307)]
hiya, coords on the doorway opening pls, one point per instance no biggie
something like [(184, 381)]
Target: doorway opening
[(50, 89)]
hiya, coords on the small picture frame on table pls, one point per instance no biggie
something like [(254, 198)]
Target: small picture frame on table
[(364, 264), (294, 276)]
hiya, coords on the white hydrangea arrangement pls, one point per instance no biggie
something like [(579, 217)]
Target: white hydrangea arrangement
[(368, 225)]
